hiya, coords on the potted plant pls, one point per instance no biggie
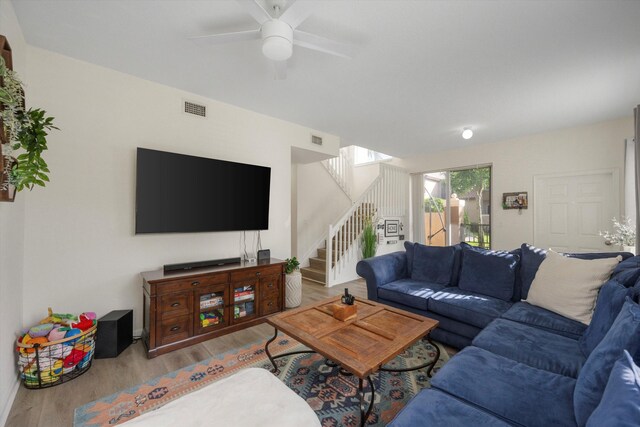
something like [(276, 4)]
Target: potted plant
[(369, 243), (624, 234), (24, 131), (293, 279)]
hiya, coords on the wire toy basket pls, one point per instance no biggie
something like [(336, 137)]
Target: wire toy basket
[(47, 364)]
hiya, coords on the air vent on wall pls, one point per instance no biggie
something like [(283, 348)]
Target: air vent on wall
[(195, 109), (316, 140)]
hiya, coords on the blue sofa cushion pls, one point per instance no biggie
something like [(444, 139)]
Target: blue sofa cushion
[(487, 272), (627, 272), (532, 257), (610, 300), (455, 326), (533, 347), (620, 404), (408, 247), (540, 318), (450, 338), (514, 391), (435, 408), (624, 334), (409, 292), (434, 264), (466, 306)]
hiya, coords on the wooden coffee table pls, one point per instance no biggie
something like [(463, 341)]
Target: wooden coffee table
[(361, 346)]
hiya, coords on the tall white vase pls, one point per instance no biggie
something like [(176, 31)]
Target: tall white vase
[(293, 296)]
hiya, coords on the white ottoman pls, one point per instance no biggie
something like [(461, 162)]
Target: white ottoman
[(251, 397)]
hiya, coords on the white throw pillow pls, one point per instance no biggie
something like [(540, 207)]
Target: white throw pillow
[(569, 286)]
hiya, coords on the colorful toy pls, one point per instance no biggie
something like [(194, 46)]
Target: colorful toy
[(41, 330), (84, 323), (73, 358), (72, 333), (57, 334), (32, 341), (59, 318)]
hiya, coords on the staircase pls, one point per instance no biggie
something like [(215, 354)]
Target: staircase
[(317, 270), (387, 196)]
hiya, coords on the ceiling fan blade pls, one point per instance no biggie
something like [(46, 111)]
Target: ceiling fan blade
[(237, 36), (255, 10), (297, 12), (281, 69), (321, 44)]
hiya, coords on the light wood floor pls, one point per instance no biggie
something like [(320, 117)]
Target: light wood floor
[(54, 406)]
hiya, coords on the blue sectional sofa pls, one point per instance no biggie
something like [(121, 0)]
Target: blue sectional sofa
[(521, 364)]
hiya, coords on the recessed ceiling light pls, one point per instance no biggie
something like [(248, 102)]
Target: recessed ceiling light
[(467, 133)]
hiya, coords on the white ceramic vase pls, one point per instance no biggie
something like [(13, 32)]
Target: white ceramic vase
[(293, 295)]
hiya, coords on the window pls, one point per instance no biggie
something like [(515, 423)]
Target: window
[(363, 156), (457, 207)]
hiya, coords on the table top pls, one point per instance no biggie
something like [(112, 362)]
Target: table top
[(362, 345)]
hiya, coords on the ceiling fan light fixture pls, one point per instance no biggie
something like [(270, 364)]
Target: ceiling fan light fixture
[(277, 40), (467, 133)]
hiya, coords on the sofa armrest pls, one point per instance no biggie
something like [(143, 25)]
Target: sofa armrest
[(380, 270)]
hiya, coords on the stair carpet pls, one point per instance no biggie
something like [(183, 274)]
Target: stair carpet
[(317, 270)]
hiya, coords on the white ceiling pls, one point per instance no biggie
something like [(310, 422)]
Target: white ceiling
[(423, 71)]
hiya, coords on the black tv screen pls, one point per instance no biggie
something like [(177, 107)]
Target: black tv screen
[(176, 193)]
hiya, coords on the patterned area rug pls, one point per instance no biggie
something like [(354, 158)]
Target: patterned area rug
[(332, 395)]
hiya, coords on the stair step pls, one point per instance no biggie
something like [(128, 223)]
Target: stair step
[(318, 263), (313, 274), (322, 253)]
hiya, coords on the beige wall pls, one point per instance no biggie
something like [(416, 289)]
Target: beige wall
[(82, 254), (11, 243), (516, 162)]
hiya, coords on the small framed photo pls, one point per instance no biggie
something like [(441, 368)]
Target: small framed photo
[(391, 227), (519, 200)]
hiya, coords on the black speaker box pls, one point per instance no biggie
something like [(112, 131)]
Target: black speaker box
[(115, 333)]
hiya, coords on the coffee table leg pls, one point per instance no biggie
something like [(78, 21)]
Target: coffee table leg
[(365, 415), (429, 365), (430, 370), (272, 359), (266, 350)]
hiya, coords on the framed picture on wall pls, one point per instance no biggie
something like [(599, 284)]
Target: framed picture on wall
[(391, 227), (519, 200)]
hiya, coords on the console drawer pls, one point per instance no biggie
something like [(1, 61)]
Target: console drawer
[(191, 283), (270, 286), (176, 304), (270, 305), (255, 273), (174, 329)]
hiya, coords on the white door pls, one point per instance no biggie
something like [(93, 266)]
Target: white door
[(571, 209)]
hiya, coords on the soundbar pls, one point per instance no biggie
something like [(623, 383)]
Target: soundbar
[(200, 264)]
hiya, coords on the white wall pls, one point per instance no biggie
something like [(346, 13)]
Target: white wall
[(11, 243), (81, 251), (516, 162), (320, 203)]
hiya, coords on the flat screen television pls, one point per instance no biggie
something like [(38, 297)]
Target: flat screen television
[(176, 193)]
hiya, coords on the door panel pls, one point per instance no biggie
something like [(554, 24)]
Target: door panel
[(570, 210)]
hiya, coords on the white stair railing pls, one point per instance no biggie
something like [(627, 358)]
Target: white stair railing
[(341, 169), (387, 196)]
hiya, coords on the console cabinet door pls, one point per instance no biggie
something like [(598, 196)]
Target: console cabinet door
[(244, 300), (211, 308)]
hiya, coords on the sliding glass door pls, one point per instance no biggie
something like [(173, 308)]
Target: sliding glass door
[(457, 207)]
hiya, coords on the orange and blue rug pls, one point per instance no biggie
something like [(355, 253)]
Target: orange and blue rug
[(331, 394)]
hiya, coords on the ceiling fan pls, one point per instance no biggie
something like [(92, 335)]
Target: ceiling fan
[(279, 33)]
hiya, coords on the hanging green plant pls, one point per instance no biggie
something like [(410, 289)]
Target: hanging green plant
[(31, 169), (25, 132)]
